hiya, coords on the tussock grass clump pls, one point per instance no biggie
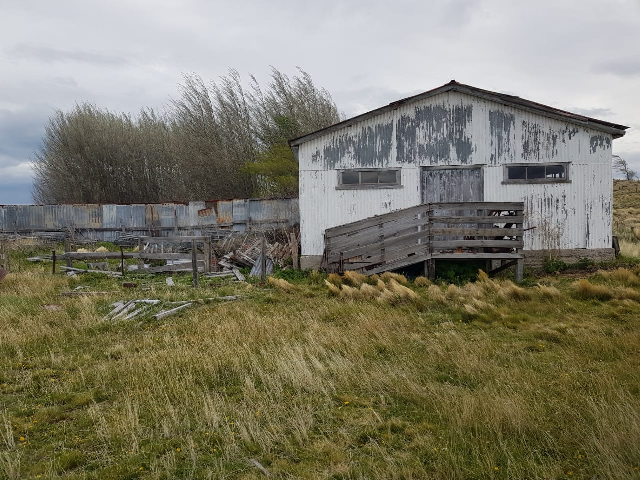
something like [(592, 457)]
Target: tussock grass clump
[(387, 276), (281, 284), (380, 285), (335, 279), (333, 289), (586, 290), (354, 279), (422, 282), (405, 293), (436, 294), (350, 292), (621, 275), (489, 285), (627, 294), (548, 292), (510, 290), (369, 291), (452, 292)]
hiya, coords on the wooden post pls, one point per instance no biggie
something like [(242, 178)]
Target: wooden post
[(207, 256), (520, 270), (122, 260), (53, 267), (3, 256), (67, 249), (140, 259), (194, 262), (294, 250), (263, 259)]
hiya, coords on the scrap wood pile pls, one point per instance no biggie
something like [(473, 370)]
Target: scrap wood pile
[(147, 307), (172, 254), (243, 250)]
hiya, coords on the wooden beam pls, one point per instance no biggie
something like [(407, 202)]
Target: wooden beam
[(476, 232)]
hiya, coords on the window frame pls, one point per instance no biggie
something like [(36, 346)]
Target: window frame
[(363, 186), (565, 179)]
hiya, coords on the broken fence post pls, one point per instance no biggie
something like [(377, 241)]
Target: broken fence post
[(194, 262), (263, 259)]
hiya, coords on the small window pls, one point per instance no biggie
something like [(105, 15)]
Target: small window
[(369, 178), (536, 173)]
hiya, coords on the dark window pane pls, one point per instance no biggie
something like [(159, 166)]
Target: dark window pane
[(517, 173), (535, 172), (555, 171), (350, 178), (387, 176), (368, 177)]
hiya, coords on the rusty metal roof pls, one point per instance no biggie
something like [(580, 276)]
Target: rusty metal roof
[(511, 100)]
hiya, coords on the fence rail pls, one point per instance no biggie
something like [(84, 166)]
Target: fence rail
[(426, 233)]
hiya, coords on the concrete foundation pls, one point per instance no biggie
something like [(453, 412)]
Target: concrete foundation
[(536, 258), (310, 262)]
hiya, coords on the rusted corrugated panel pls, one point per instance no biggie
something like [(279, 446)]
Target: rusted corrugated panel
[(225, 211)]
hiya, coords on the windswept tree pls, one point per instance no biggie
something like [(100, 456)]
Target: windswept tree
[(216, 140), (621, 166), (91, 155)]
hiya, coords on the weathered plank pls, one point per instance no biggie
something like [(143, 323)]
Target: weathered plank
[(371, 221), (385, 228), (439, 244), (476, 232), (399, 263), (95, 255), (169, 256), (474, 256), (492, 206), (516, 219), (374, 247), (348, 243), (174, 239)]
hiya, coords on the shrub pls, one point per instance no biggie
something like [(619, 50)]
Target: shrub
[(554, 265)]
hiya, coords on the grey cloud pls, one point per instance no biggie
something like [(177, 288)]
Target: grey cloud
[(54, 55), (623, 67), (592, 112), (21, 133), (16, 193)]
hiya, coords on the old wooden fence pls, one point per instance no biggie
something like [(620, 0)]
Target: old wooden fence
[(426, 233)]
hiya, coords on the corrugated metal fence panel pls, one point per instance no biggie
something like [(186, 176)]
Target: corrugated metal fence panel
[(274, 211), (105, 222), (225, 212)]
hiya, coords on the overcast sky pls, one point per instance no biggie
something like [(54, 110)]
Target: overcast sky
[(582, 56)]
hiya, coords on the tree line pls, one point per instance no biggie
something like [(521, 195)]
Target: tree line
[(215, 140)]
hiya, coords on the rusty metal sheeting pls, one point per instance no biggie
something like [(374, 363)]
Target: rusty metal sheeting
[(108, 222)]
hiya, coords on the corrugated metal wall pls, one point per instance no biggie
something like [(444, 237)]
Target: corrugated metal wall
[(105, 222), (458, 129)]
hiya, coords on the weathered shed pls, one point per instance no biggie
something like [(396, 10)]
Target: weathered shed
[(460, 143)]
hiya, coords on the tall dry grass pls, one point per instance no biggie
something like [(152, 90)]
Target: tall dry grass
[(479, 381)]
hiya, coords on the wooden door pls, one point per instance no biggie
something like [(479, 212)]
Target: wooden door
[(452, 184)]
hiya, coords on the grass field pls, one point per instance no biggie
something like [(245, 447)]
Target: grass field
[(489, 380), (339, 379)]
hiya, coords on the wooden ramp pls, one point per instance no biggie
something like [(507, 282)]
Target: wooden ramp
[(426, 233)]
